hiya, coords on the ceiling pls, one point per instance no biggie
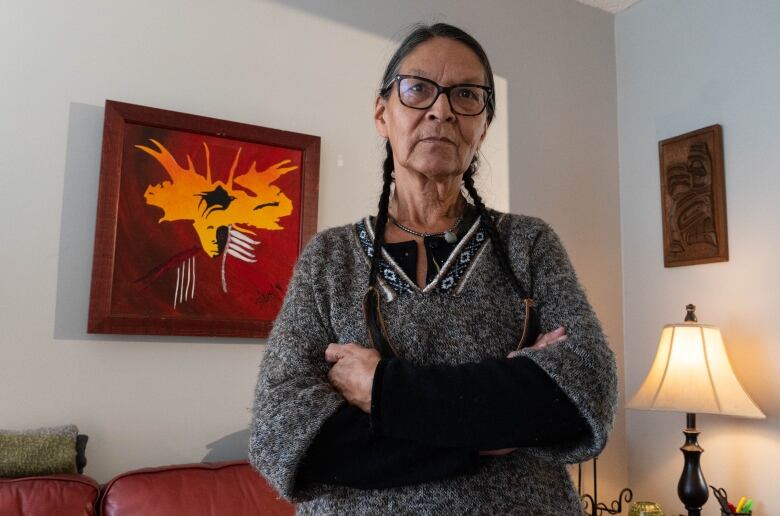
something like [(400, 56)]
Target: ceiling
[(611, 6)]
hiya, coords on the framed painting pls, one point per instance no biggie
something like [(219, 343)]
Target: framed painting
[(199, 223), (693, 197)]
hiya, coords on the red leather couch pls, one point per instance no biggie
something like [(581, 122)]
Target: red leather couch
[(64, 495), (206, 489)]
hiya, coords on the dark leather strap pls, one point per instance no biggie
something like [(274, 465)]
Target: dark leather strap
[(530, 325)]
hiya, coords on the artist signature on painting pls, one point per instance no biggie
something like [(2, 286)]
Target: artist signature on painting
[(265, 297)]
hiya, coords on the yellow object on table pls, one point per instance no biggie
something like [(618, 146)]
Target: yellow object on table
[(645, 509)]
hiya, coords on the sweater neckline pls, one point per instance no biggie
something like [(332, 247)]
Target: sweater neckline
[(451, 276)]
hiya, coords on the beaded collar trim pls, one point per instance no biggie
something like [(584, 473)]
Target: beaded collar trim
[(451, 276)]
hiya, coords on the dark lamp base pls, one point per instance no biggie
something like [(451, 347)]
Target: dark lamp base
[(692, 488)]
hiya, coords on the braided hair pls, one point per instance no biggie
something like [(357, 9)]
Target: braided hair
[(371, 302)]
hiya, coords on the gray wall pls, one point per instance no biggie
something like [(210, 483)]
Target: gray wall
[(150, 401), (683, 66)]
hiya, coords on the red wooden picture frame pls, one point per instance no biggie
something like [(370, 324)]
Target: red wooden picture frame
[(199, 223)]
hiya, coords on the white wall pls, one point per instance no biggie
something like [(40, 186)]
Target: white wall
[(682, 66), (150, 401), (156, 400)]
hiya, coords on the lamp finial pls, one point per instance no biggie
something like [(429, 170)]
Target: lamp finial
[(691, 315)]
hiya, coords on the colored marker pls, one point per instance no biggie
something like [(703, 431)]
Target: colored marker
[(741, 503), (748, 505)]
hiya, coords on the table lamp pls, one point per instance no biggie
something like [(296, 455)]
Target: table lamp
[(691, 373)]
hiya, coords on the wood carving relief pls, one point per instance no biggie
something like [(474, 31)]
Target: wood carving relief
[(693, 198)]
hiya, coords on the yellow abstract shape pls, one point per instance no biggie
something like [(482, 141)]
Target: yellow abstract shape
[(211, 205)]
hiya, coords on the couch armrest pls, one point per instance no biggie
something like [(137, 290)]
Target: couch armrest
[(63, 495), (203, 489)]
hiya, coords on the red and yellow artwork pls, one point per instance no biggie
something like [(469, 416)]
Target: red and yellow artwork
[(199, 223), (206, 225)]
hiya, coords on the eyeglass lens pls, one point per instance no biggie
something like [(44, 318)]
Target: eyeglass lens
[(421, 94)]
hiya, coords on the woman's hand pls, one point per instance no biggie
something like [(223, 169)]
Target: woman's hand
[(352, 373), (545, 339), (542, 341)]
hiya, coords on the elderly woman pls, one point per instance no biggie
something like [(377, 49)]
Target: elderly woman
[(393, 382)]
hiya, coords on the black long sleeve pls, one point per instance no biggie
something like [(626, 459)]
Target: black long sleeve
[(425, 422), (493, 404), (346, 453)]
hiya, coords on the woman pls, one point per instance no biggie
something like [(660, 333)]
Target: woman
[(392, 380)]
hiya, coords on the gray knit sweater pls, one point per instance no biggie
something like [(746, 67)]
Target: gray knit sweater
[(468, 313)]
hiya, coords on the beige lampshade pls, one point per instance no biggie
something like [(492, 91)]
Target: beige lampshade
[(692, 373)]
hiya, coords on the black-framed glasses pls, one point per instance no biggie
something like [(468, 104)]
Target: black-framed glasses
[(421, 93)]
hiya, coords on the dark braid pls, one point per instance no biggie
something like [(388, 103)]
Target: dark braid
[(498, 244), (372, 311), (531, 321), (381, 218)]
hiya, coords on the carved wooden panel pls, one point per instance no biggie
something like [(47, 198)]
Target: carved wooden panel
[(693, 198)]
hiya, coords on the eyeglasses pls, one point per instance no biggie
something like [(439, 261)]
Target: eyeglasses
[(421, 93)]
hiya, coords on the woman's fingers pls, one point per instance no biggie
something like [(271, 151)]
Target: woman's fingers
[(551, 335), (545, 339), (335, 352), (352, 372)]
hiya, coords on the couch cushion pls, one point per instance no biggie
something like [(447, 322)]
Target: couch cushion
[(63, 495), (204, 489)]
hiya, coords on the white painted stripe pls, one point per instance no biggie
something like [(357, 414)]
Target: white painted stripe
[(234, 242), (192, 293), (186, 289), (233, 253), (240, 236), (222, 273), (181, 290), (249, 254), (176, 292)]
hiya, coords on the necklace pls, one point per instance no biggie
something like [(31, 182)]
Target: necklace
[(449, 236)]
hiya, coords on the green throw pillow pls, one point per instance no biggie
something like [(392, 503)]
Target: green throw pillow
[(43, 451)]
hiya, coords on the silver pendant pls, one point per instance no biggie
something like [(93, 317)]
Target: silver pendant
[(450, 237)]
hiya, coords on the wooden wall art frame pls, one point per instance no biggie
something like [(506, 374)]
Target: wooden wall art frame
[(199, 223), (693, 198)]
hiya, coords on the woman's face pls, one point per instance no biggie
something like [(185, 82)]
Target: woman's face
[(434, 142)]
